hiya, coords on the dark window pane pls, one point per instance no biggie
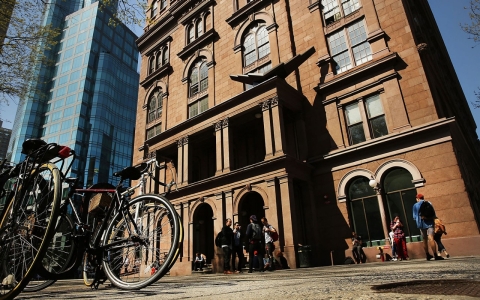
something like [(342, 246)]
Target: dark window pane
[(356, 133), (378, 126), (374, 219), (359, 188), (398, 179), (359, 221)]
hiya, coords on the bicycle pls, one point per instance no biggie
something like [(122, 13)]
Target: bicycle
[(123, 229), (25, 227)]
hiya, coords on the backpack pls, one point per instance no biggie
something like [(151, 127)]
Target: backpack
[(256, 232), (427, 212), (439, 227), (274, 235), (218, 239)]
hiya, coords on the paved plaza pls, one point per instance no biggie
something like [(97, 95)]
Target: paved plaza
[(456, 277)]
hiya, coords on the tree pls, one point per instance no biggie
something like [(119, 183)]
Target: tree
[(474, 30), (23, 41)]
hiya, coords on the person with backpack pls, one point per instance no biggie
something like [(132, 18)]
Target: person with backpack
[(227, 243), (271, 236), (439, 231), (254, 237), (424, 215)]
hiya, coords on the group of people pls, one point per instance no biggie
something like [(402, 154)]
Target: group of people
[(258, 239), (431, 229)]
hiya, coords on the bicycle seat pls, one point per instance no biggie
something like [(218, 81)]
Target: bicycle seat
[(31, 145), (128, 173)]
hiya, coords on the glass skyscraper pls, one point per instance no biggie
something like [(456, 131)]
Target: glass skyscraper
[(87, 99)]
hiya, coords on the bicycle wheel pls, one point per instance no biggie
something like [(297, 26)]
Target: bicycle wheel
[(131, 250), (61, 253), (26, 230), (88, 269)]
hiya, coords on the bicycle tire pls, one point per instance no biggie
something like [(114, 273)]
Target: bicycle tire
[(26, 231), (157, 241), (88, 271)]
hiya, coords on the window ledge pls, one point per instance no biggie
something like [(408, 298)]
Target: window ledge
[(190, 48), (257, 64), (154, 123), (197, 96), (344, 20), (314, 6), (157, 73), (359, 70), (244, 12)]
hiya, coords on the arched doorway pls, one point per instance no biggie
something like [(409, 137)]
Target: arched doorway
[(203, 234), (251, 204)]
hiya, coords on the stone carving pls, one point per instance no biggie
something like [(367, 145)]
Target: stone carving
[(422, 47), (265, 105), (180, 143), (218, 125), (185, 140), (274, 101), (225, 123)]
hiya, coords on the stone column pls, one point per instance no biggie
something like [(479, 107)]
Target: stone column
[(229, 205), (278, 126), (272, 213), (185, 161), (382, 214), (226, 146), (217, 264), (162, 178), (218, 147), (187, 230), (267, 129), (288, 211), (180, 161)]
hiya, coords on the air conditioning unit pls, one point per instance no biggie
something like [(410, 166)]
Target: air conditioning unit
[(337, 16)]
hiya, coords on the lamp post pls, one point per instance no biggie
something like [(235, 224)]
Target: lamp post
[(376, 187)]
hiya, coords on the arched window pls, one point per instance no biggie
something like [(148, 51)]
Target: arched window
[(199, 28), (151, 65), (400, 193), (365, 212), (165, 55), (159, 60), (155, 105), (154, 9), (198, 84), (256, 44), (191, 33), (163, 4)]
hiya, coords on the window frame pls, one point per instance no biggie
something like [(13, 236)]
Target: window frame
[(365, 118), (254, 31), (341, 10), (154, 9), (349, 47), (158, 109)]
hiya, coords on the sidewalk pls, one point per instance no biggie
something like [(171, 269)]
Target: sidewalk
[(333, 282)]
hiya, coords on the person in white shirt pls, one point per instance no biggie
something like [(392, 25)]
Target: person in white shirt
[(269, 246), (199, 262), (392, 242)]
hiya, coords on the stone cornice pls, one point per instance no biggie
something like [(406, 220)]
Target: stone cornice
[(157, 74), (201, 5), (360, 70), (158, 45), (196, 44), (244, 12), (144, 40)]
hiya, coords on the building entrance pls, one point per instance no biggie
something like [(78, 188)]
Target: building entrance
[(203, 233)]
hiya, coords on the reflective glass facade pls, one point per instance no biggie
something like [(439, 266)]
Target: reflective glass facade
[(89, 103)]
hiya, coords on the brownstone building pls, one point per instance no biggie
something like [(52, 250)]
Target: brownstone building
[(293, 109)]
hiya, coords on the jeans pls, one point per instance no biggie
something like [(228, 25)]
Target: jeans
[(227, 254), (269, 247), (251, 250), (238, 250), (438, 238)]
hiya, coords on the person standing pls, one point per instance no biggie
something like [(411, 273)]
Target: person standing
[(399, 238), (357, 250), (424, 214), (253, 236), (237, 248), (392, 242), (439, 231), (268, 230), (227, 240)]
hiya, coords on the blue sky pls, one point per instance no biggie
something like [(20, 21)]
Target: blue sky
[(449, 15)]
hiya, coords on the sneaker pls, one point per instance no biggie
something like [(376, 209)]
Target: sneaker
[(439, 258), (394, 259), (429, 257), (249, 271)]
